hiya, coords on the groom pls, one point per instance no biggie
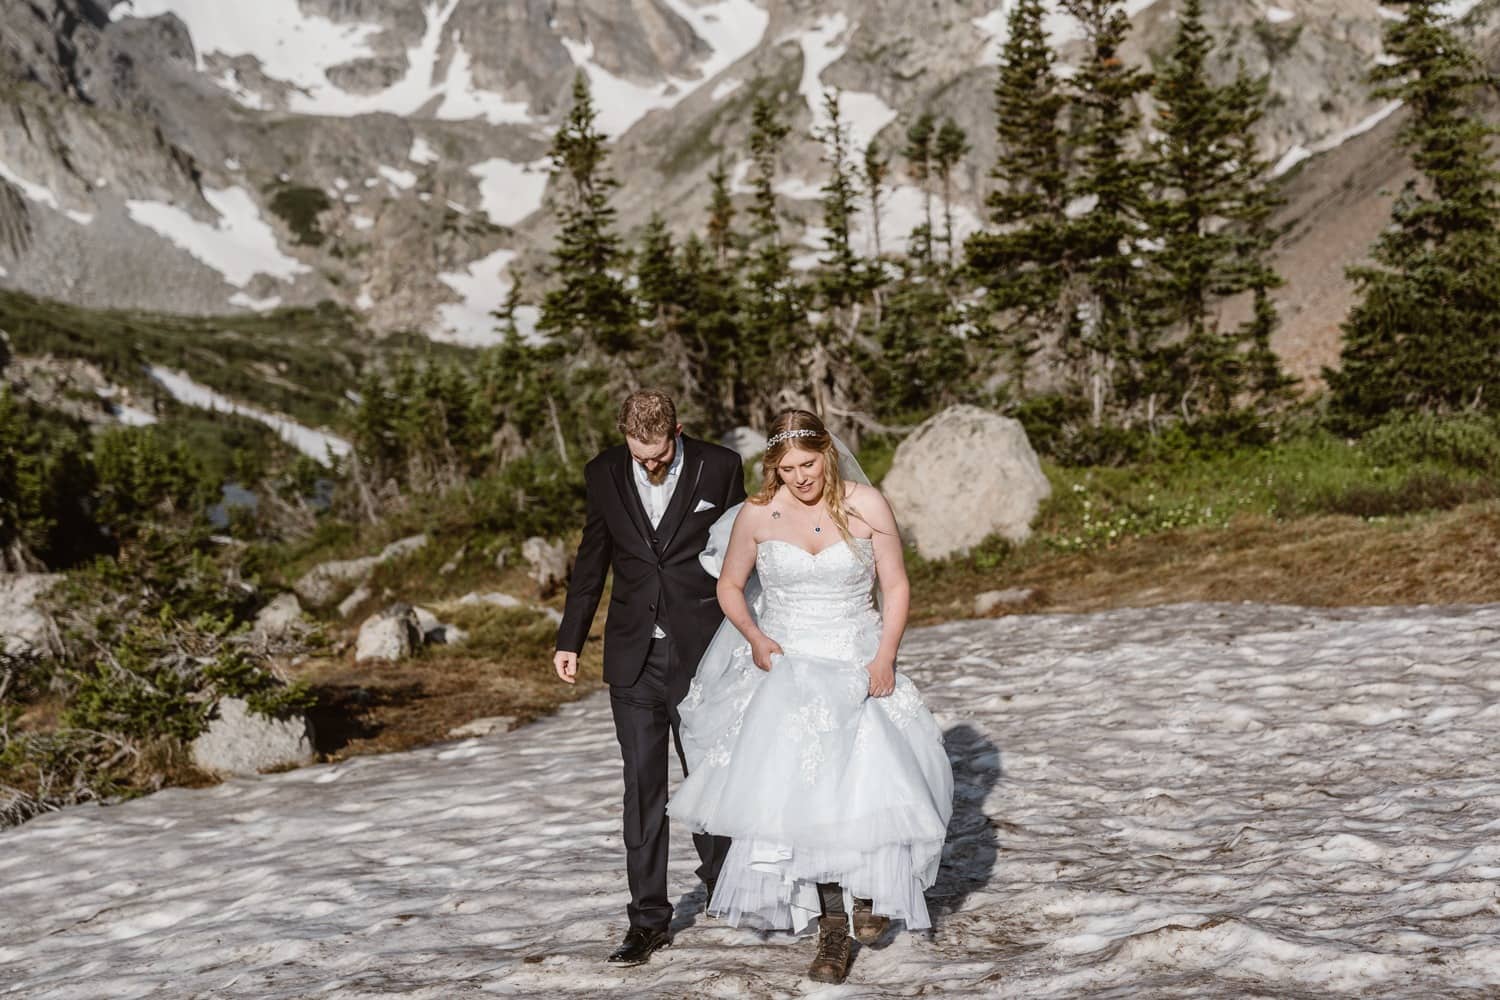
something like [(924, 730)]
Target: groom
[(650, 504)]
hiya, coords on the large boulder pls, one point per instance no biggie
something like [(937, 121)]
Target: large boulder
[(322, 584), (749, 442), (240, 742), (394, 634), (281, 619), (963, 475), (24, 626), (549, 564)]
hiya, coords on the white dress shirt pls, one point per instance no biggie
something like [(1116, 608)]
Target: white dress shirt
[(656, 496)]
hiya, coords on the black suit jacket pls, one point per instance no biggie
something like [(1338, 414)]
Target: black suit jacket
[(657, 574)]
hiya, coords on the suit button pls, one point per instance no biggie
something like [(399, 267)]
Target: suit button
[(653, 609)]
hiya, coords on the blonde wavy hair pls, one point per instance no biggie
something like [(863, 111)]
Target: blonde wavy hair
[(813, 436)]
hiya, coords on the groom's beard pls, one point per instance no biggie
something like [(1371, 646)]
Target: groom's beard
[(658, 476)]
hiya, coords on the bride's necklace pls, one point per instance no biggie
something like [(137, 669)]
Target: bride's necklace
[(817, 524)]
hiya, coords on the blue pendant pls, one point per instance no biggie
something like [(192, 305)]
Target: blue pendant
[(817, 531)]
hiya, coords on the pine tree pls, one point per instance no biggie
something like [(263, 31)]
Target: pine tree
[(589, 312), (834, 368), (1022, 262), (948, 149), (1425, 334), (721, 235), (1211, 196), (918, 153), (1116, 344), (875, 169), (772, 335)]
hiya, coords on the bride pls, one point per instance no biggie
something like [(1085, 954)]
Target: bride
[(803, 742)]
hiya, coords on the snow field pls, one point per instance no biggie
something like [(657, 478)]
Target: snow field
[(1188, 801), (317, 445), (239, 246)]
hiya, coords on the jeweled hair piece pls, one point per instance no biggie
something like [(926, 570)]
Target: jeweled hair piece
[(777, 438)]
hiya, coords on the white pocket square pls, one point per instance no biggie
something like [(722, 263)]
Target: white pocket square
[(702, 506)]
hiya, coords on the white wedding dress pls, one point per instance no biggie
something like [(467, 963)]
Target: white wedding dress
[(813, 779)]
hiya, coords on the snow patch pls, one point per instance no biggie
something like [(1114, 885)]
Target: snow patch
[(315, 444), (1298, 153), (361, 222), (724, 88), (731, 28), (403, 179), (508, 191), (421, 152), (1238, 838), (239, 246), (483, 288), (1278, 15), (258, 305), (300, 49), (1061, 27), (42, 195)]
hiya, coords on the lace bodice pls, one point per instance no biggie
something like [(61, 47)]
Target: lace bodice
[(819, 604)]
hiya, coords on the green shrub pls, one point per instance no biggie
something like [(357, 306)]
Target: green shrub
[(1465, 442), (300, 207)]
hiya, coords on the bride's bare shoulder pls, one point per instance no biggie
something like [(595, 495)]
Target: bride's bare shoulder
[(870, 504)]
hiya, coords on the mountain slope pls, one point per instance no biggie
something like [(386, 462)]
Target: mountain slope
[(188, 156)]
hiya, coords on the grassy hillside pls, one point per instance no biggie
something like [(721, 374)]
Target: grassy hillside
[(299, 362)]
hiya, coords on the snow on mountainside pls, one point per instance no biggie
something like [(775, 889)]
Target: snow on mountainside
[(200, 156)]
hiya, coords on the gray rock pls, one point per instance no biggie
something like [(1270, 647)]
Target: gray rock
[(403, 547), (963, 475), (749, 442), (484, 726), (322, 584), (278, 619), (239, 742), (392, 635), (357, 596), (992, 599), (452, 564), (494, 597), (24, 626), (434, 630), (549, 563)]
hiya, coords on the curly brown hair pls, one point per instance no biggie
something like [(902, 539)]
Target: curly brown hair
[(647, 415), (815, 437)]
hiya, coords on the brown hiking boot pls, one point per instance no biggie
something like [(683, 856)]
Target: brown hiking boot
[(867, 926), (831, 963)]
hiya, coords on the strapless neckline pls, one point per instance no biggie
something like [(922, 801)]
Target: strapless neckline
[(810, 554)]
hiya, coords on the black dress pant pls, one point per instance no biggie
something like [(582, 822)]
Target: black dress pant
[(645, 716)]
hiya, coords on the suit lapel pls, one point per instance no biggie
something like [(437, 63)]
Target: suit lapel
[(631, 497), (687, 487)]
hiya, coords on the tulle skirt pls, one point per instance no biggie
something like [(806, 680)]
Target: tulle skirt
[(815, 781)]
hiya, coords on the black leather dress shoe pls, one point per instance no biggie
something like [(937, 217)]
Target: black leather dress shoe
[(638, 946)]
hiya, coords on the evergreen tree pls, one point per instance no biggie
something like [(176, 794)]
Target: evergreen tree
[(721, 235), (833, 365), (949, 148), (918, 153), (1022, 262), (1208, 215), (875, 169), (773, 339), (667, 301), (589, 311), (1116, 346), (1425, 334)]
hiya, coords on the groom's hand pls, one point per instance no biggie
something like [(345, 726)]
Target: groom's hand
[(566, 665)]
